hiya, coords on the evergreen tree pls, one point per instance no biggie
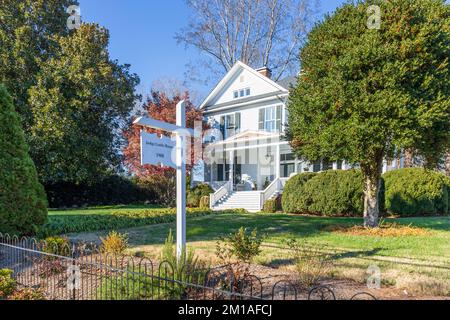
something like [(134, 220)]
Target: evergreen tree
[(23, 203)]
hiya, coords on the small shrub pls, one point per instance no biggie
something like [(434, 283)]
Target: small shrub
[(416, 191), (57, 246), (27, 294), (236, 251), (7, 283), (114, 243), (195, 194), (271, 205), (204, 202), (311, 263), (291, 201), (242, 246)]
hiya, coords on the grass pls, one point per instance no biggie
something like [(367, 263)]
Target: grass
[(110, 218), (419, 261)]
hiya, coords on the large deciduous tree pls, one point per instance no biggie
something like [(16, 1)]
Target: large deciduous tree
[(366, 94), (27, 28), (23, 203), (256, 32), (79, 104)]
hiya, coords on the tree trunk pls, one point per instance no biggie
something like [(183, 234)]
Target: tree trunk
[(372, 183)]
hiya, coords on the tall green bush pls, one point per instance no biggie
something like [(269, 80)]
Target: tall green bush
[(291, 201), (416, 191), (23, 203), (334, 192)]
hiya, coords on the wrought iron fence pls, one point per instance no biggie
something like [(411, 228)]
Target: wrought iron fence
[(83, 272)]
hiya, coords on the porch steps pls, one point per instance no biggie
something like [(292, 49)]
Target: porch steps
[(248, 200)]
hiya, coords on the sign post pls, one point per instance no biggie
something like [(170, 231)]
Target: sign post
[(156, 151), (181, 180)]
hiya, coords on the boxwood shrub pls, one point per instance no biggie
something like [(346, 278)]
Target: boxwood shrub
[(291, 200), (416, 191), (335, 192), (331, 193)]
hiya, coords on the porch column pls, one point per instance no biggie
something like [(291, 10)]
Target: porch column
[(231, 177), (277, 163)]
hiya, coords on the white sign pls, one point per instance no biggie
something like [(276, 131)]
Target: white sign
[(156, 150), (161, 146)]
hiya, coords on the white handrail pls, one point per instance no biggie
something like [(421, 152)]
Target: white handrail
[(219, 194), (275, 186)]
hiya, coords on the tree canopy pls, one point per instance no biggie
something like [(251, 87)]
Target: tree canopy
[(80, 102), (366, 94)]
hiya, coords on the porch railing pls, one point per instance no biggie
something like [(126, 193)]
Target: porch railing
[(221, 193)]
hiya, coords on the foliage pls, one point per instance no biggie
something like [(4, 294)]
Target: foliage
[(7, 283), (114, 220), (272, 205), (242, 246), (161, 186), (334, 192), (195, 194), (415, 191), (160, 107), (115, 243), (186, 269), (169, 283), (291, 200), (236, 251), (111, 189), (27, 294), (366, 93), (57, 246), (204, 202), (78, 103), (26, 39), (23, 203), (312, 264)]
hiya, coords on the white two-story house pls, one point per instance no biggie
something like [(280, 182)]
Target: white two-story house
[(247, 161)]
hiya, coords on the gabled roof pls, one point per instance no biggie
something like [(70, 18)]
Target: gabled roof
[(238, 66)]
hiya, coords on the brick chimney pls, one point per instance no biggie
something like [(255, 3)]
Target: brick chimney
[(265, 71)]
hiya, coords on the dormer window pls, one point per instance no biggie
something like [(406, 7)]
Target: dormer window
[(241, 93)]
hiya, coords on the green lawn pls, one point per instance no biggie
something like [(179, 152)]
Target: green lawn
[(419, 263), (109, 218)]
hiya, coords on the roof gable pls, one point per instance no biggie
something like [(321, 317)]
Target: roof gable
[(241, 77)]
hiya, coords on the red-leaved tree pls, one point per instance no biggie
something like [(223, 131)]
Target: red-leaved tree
[(160, 107)]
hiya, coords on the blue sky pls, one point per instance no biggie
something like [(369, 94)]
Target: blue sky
[(142, 34)]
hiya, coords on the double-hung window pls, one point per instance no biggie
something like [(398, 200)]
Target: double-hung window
[(270, 119), (230, 125)]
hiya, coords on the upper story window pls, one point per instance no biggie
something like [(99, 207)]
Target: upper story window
[(241, 93), (230, 125), (270, 119)]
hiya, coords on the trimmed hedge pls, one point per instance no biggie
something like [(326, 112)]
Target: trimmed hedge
[(108, 190), (416, 191), (335, 192), (330, 193), (291, 201)]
